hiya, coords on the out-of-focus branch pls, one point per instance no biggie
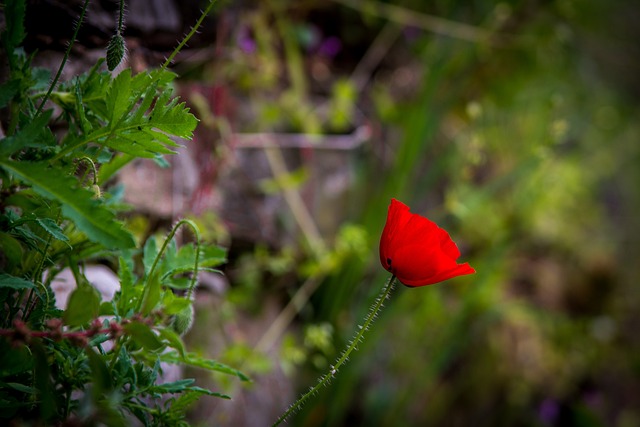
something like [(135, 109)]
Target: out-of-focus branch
[(426, 22)]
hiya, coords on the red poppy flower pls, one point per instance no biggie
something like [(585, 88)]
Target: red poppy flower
[(416, 250)]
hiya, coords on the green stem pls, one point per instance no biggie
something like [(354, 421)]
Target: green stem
[(65, 58), (194, 29), (37, 277), (120, 16), (357, 339), (116, 352), (172, 233), (92, 166), (67, 401), (194, 277)]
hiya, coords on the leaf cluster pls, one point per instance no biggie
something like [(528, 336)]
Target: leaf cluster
[(60, 144)]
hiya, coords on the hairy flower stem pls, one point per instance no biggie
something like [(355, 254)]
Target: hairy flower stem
[(194, 29), (120, 17), (357, 339), (91, 166)]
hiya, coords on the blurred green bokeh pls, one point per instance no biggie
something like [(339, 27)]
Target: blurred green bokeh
[(525, 146)]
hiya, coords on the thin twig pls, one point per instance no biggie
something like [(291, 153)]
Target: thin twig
[(374, 55), (294, 200), (424, 21), (295, 305)]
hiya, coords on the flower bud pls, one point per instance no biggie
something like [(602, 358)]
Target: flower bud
[(183, 320), (95, 188), (115, 51)]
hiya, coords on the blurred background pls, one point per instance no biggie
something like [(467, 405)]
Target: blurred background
[(514, 125)]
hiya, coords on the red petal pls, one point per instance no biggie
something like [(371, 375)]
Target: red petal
[(424, 264), (416, 250), (397, 217), (447, 245)]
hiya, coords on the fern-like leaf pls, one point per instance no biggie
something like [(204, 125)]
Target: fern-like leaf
[(93, 219)]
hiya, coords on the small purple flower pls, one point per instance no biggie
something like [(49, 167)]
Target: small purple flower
[(411, 33), (592, 398), (548, 411), (330, 46), (246, 41)]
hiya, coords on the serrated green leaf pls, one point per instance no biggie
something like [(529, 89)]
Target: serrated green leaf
[(83, 306), (51, 227), (151, 294), (183, 260), (94, 86), (172, 387), (136, 117), (125, 275), (83, 122), (118, 97), (192, 359), (169, 280), (138, 144), (12, 282), (172, 339), (8, 91), (14, 33), (212, 256), (146, 377), (97, 222), (35, 134), (172, 304), (147, 99), (154, 135), (124, 368), (108, 170), (180, 405), (182, 386), (28, 236), (174, 119), (124, 95), (208, 392), (126, 298), (20, 387), (143, 335)]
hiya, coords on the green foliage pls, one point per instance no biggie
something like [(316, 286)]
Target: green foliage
[(77, 204), (14, 33), (72, 366), (83, 305), (7, 281), (503, 147)]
